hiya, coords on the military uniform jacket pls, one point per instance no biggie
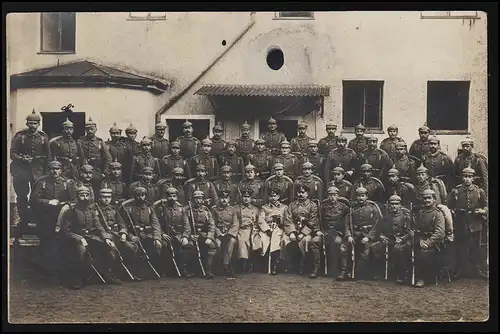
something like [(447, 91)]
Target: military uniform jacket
[(96, 153), (118, 188), (206, 186), (78, 222), (376, 189), (388, 145), (112, 222), (245, 217), (476, 162), (237, 165), (302, 217), (230, 186), (153, 192), (290, 163), (142, 160), (318, 162), (420, 148), (379, 160), (358, 145), (314, 183), (284, 184), (345, 158), (46, 189), (244, 146), (132, 146), (273, 141), (210, 163), (174, 220), (262, 161), (326, 145), (267, 214), (407, 169), (430, 225), (335, 218), (204, 223), (218, 146), (464, 200), (169, 162), (223, 217), (439, 164), (404, 190), (159, 147), (257, 187), (120, 152), (365, 217), (190, 146), (164, 184), (433, 184), (300, 145), (69, 154), (145, 220), (346, 189), (35, 145), (396, 224)]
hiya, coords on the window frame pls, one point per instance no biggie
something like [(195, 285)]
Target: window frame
[(278, 17), (147, 18), (41, 51)]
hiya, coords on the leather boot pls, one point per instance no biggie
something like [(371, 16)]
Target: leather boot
[(316, 263), (228, 272), (210, 260)]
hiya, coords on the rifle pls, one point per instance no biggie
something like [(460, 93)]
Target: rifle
[(353, 248), (323, 241), (412, 251), (273, 226), (386, 248), (196, 242), (138, 238), (92, 265), (115, 248), (170, 242)]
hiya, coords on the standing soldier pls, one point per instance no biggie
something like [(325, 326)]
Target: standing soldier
[(231, 158), (280, 182), (302, 225), (430, 233), (177, 181), (377, 158), (29, 152), (174, 160), (346, 189), (218, 144), (424, 182), (328, 143), (199, 182), (118, 150), (245, 144), (142, 159), (207, 159), (226, 232), (470, 204), (300, 144), (395, 186), (420, 147), (475, 161), (289, 161), (227, 184), (65, 150), (358, 144), (190, 146), (85, 179), (340, 157), (313, 182), (115, 183), (273, 137), (438, 164), (374, 187), (95, 152), (315, 158), (159, 147), (406, 166), (261, 159), (146, 182), (133, 146), (256, 185), (388, 145)]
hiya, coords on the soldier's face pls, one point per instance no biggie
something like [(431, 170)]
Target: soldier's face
[(246, 199), (285, 150), (333, 197), (302, 131), (467, 179), (313, 149), (372, 144), (393, 178), (274, 198), (302, 194), (307, 171), (338, 176), (176, 150), (106, 199), (146, 147), (330, 131), (218, 133), (231, 149), (83, 197), (224, 201), (86, 175), (55, 172), (178, 176), (171, 198), (272, 126), (250, 174), (341, 143), (160, 132), (394, 206), (433, 147), (91, 130), (147, 177), (467, 147), (201, 173), (366, 174), (401, 151), (206, 149), (423, 135), (359, 132), (428, 200), (198, 201), (279, 172), (140, 198), (260, 147), (188, 130), (226, 175), (361, 197), (32, 125), (421, 177), (392, 133), (131, 135), (68, 131), (114, 135), (117, 172), (245, 133)]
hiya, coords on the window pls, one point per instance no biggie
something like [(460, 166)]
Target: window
[(448, 105), (362, 103), (147, 16), (58, 32), (52, 123), (294, 15)]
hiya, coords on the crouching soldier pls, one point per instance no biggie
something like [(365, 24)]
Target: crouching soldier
[(87, 240)]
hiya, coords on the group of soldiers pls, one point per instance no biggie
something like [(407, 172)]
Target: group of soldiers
[(122, 208)]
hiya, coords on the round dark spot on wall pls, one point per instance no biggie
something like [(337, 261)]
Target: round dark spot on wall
[(357, 28), (275, 59), (224, 42)]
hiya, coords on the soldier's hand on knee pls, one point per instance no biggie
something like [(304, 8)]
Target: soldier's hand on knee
[(110, 243), (319, 234), (450, 237), (480, 211), (350, 240), (158, 244), (184, 241), (134, 238), (166, 237), (208, 242), (293, 237), (384, 239), (364, 240), (300, 237), (54, 202), (194, 238), (84, 242), (399, 240), (123, 237)]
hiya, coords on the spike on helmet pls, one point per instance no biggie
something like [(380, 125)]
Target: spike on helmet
[(90, 122), (33, 117), (245, 126), (67, 123)]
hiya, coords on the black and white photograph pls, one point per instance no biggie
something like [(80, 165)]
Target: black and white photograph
[(247, 167)]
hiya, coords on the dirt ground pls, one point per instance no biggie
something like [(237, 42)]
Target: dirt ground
[(249, 298)]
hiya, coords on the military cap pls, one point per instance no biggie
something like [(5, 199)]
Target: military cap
[(106, 190), (218, 127), (371, 137), (339, 170), (249, 167), (434, 139), (171, 191), (246, 192), (146, 141), (361, 190), (231, 142), (468, 171), (131, 129), (226, 168), (206, 141), (394, 199), (303, 187), (393, 171), (90, 122), (140, 191), (68, 124), (422, 169), (200, 167), (285, 143), (366, 167), (401, 144), (147, 170), (333, 190), (428, 192), (392, 127), (87, 168), (115, 164), (341, 137), (271, 121), (260, 141), (278, 166), (198, 193), (274, 191), (33, 116), (113, 128), (307, 164), (313, 143), (187, 124), (175, 144), (423, 128), (331, 125), (467, 140), (245, 126), (223, 193), (55, 164), (81, 189), (178, 170), (302, 125), (160, 125), (359, 127)]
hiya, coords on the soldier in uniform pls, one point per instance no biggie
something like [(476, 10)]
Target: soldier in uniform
[(430, 233), (289, 161), (281, 182), (328, 143), (65, 150), (146, 182), (49, 194), (82, 233), (420, 147), (218, 144), (261, 159), (346, 189), (245, 144), (115, 182), (358, 144), (340, 157), (313, 182), (95, 152), (159, 147), (273, 137), (85, 179), (300, 144), (470, 204), (204, 230), (174, 160), (377, 158), (226, 232), (256, 185), (190, 146), (249, 237), (227, 184), (315, 158), (133, 146), (231, 158), (473, 160), (206, 158), (438, 164), (177, 181), (395, 186), (335, 225), (29, 152), (424, 182), (388, 145), (119, 150), (201, 183), (406, 166), (302, 225), (142, 159), (374, 186)]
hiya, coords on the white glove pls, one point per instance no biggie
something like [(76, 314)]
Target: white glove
[(54, 202), (123, 237), (208, 242), (84, 242), (110, 243), (364, 240), (184, 241)]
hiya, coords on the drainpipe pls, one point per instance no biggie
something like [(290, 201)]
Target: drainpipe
[(177, 97)]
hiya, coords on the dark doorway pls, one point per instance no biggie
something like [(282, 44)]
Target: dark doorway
[(201, 128), (52, 123), (288, 127)]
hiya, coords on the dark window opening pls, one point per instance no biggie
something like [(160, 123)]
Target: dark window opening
[(448, 105), (201, 128), (288, 127), (52, 123), (58, 32), (362, 103), (275, 59), (295, 14)]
